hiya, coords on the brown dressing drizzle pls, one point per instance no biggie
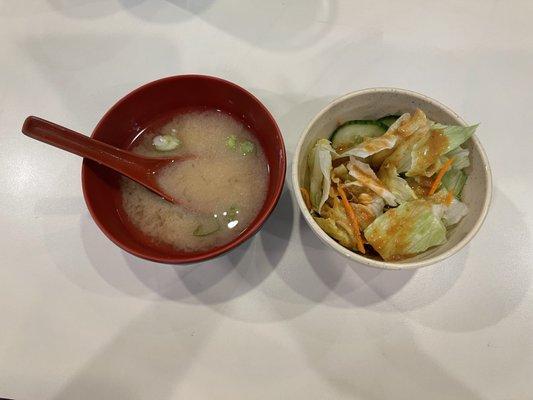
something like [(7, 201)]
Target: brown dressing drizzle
[(398, 231), (429, 153)]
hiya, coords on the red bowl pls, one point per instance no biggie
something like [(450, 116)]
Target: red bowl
[(150, 103)]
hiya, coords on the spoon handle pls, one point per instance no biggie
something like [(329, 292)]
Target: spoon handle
[(56, 135)]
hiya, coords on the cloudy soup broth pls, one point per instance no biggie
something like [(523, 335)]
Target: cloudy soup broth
[(221, 188)]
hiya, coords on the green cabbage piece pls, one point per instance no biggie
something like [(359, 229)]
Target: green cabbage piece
[(328, 225), (320, 164), (454, 180), (460, 157), (425, 160), (451, 213), (422, 165), (396, 184), (454, 212), (401, 156), (341, 172), (337, 213), (367, 213), (457, 135), (409, 229), (367, 177)]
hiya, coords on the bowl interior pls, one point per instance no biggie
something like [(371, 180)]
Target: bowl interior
[(150, 103), (376, 103)]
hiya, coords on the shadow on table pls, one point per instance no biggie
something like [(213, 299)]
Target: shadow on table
[(501, 278), (276, 25), (227, 277), (101, 57), (392, 362), (166, 11), (83, 9), (472, 292), (162, 11), (139, 363), (153, 11), (292, 112), (336, 281), (408, 367), (211, 282), (496, 276), (106, 266)]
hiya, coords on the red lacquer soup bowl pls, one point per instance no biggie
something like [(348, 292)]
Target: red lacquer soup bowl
[(151, 103)]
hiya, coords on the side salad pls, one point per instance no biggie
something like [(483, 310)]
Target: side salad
[(389, 187)]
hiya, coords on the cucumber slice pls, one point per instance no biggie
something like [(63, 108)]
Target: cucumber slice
[(353, 132), (389, 120)]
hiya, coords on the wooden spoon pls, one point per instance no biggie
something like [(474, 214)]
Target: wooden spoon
[(139, 168)]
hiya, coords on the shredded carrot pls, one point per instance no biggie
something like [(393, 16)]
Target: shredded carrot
[(449, 198), (307, 199), (441, 173), (353, 220)]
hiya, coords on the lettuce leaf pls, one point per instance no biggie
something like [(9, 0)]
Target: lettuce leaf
[(454, 180), (456, 134), (451, 213), (366, 176), (365, 213), (460, 157), (335, 211), (320, 164), (315, 177), (328, 225), (396, 184), (409, 229), (454, 212), (340, 173), (427, 154), (401, 157)]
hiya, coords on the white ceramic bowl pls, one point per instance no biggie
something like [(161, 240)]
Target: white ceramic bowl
[(378, 102)]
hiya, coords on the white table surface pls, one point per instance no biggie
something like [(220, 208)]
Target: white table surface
[(281, 317)]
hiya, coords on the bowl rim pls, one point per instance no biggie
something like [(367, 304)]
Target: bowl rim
[(209, 254), (369, 261)]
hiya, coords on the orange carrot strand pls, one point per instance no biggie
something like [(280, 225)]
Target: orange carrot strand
[(449, 198), (438, 179), (353, 220), (307, 199)]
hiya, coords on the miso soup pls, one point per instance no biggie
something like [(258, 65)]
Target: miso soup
[(223, 186)]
